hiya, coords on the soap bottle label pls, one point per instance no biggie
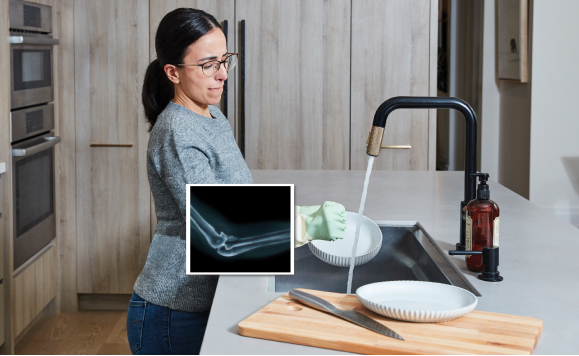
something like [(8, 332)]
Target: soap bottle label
[(496, 232), (468, 233)]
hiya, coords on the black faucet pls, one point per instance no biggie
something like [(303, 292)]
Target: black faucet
[(427, 102)]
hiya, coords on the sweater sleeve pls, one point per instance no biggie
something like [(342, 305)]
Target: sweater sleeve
[(184, 163)]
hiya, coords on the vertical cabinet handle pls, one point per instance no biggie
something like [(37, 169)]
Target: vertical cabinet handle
[(242, 88), (225, 83)]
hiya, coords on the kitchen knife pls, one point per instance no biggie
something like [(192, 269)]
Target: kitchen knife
[(350, 315)]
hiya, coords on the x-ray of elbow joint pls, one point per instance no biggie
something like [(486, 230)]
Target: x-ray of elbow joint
[(215, 235)]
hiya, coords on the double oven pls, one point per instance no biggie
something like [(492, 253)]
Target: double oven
[(32, 128)]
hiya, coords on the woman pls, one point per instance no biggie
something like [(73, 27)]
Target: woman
[(191, 142)]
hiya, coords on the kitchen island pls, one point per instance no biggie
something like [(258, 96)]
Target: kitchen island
[(537, 254)]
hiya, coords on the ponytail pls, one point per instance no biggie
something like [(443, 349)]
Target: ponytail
[(158, 91)]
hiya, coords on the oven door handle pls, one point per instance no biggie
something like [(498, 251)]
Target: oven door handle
[(25, 152), (33, 40)]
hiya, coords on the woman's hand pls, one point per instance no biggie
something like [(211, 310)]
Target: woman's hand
[(320, 222)]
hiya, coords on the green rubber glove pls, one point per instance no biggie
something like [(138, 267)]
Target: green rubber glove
[(322, 222)]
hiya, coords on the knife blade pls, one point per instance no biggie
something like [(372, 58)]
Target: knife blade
[(349, 315)]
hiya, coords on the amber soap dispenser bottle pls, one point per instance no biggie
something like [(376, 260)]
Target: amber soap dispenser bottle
[(482, 223)]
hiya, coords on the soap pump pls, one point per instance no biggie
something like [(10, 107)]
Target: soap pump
[(482, 233), (482, 223)]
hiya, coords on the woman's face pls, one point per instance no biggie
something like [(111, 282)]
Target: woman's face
[(192, 82)]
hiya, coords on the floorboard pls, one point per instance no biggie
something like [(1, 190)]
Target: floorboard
[(82, 333)]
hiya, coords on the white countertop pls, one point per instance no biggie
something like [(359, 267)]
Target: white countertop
[(538, 254)]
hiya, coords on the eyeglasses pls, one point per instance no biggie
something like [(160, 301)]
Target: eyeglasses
[(212, 67)]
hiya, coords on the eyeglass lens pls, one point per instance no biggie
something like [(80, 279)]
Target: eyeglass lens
[(210, 68)]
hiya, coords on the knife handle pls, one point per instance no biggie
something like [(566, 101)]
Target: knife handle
[(312, 301)]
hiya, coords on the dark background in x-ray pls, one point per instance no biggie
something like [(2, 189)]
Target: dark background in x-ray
[(241, 204)]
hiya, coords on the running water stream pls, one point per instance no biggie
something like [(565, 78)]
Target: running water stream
[(359, 223)]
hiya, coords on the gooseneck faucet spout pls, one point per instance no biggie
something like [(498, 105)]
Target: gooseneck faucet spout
[(427, 102)]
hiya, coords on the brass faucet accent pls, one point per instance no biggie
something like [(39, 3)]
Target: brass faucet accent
[(375, 141), (375, 147)]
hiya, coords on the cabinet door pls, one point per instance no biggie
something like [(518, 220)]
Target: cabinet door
[(390, 57), (297, 80), (221, 10), (113, 201)]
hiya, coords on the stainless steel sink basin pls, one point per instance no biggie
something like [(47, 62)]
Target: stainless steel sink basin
[(407, 253)]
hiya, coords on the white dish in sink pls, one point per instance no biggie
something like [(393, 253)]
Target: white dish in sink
[(339, 252), (424, 302)]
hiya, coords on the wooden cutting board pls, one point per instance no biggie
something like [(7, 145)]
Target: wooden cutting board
[(478, 332)]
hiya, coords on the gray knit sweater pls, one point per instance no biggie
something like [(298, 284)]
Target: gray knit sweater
[(184, 148)]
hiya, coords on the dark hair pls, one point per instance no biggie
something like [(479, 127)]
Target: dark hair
[(177, 31)]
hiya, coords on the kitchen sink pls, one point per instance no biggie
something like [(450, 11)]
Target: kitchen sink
[(407, 253)]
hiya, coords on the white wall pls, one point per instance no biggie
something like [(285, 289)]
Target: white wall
[(490, 97), (554, 164), (514, 138), (505, 116), (530, 132)]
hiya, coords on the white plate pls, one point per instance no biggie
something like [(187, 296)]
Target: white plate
[(338, 252), (417, 301)]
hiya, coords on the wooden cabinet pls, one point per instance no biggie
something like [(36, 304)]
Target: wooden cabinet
[(35, 287), (315, 72), (297, 86), (297, 56), (394, 52), (111, 42)]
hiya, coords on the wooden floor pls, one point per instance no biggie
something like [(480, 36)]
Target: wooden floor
[(85, 332)]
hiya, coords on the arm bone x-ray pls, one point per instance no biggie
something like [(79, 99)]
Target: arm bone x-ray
[(215, 235)]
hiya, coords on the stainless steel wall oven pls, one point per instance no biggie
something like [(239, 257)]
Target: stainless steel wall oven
[(33, 196), (31, 47), (32, 128)]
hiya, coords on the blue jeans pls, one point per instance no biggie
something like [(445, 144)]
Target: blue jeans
[(153, 329)]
